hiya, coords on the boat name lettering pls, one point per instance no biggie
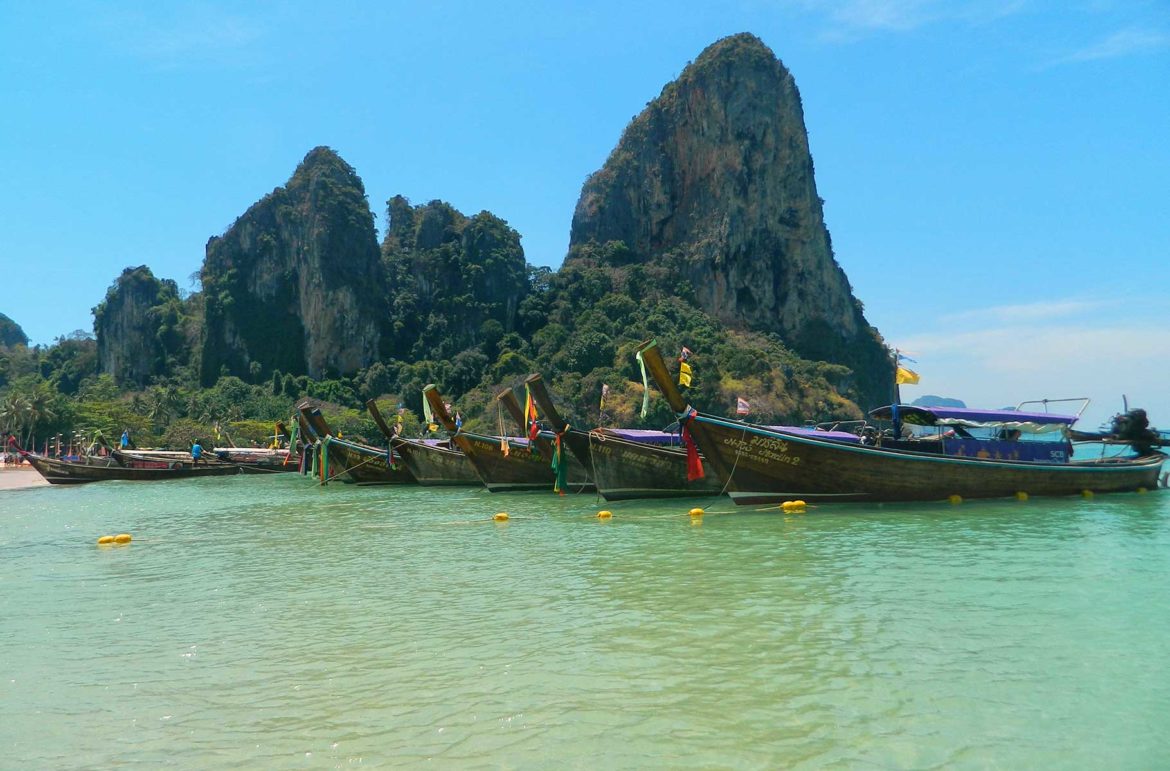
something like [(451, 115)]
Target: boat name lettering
[(763, 450)]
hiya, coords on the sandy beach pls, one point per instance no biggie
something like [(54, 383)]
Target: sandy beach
[(18, 477)]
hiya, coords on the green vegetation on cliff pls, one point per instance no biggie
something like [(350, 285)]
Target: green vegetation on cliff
[(11, 333), (456, 282), (142, 328)]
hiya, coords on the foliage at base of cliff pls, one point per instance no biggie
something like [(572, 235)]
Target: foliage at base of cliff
[(583, 326)]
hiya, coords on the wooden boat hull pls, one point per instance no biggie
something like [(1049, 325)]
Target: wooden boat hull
[(59, 472), (761, 466), (521, 469), (250, 460), (624, 470), (365, 465), (431, 465), (621, 468), (253, 461)]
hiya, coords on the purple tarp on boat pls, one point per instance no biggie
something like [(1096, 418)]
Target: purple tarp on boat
[(1002, 449), (644, 436), (832, 436)]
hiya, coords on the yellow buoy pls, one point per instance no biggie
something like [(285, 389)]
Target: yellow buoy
[(793, 507), (1086, 493), (122, 538), (604, 514), (956, 499), (501, 516), (696, 512), (1021, 496), (105, 539)]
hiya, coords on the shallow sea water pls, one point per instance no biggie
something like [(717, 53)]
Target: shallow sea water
[(264, 622)]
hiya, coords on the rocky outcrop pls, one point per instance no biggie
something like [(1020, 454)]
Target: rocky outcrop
[(295, 284), (456, 281), (11, 333), (137, 327), (714, 180)]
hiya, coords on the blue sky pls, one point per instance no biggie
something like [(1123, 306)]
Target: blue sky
[(995, 173)]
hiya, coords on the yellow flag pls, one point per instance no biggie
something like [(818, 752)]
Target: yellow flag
[(684, 374), (906, 377)]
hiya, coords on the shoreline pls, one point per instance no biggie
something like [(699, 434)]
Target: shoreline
[(20, 477)]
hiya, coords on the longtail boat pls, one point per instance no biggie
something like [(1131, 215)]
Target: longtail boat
[(431, 462), (310, 445), (348, 461), (578, 477), (627, 463), (63, 472), (503, 463), (254, 460), (364, 464), (251, 460), (761, 465)]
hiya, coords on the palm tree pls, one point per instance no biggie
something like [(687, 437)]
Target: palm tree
[(8, 412), (14, 414), (40, 408), (163, 403)]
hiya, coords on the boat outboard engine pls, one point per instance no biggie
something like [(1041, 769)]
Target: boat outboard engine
[(1134, 427)]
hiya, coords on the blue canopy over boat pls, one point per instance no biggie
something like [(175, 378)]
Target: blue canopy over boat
[(1033, 422)]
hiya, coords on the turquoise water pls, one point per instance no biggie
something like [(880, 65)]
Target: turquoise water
[(262, 622)]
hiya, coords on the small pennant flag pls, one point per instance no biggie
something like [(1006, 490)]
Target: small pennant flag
[(741, 406), (458, 420), (530, 416), (684, 374), (906, 377)]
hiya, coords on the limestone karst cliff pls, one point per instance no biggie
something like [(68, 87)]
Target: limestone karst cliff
[(138, 327), (714, 180), (456, 281), (295, 283), (11, 333)]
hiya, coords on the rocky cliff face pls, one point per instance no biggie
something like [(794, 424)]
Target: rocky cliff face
[(295, 284), (715, 180), (456, 281), (11, 333), (137, 327)]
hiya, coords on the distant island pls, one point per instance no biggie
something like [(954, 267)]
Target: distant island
[(929, 400), (703, 229)]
